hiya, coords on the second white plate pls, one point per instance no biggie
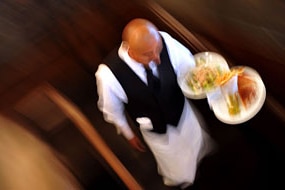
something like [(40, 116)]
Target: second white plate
[(220, 108)]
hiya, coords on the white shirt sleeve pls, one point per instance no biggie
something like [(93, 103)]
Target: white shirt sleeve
[(111, 100)]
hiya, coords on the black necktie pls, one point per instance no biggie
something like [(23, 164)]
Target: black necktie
[(153, 81)]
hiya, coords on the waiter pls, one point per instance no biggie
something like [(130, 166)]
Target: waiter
[(140, 78)]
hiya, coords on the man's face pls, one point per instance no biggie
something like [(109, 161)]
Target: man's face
[(147, 51)]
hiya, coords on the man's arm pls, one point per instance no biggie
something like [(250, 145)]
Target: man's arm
[(111, 102)]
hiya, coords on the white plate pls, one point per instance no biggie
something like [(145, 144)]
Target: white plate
[(211, 59), (220, 109)]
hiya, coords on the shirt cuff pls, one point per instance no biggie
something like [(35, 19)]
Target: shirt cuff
[(126, 131)]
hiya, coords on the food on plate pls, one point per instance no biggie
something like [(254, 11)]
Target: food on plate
[(246, 86), (226, 76), (203, 78), (233, 104), (200, 61), (229, 88), (247, 89)]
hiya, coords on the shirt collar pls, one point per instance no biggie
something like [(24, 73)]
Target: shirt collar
[(124, 55)]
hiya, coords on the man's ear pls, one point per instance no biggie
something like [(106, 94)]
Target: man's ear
[(125, 45)]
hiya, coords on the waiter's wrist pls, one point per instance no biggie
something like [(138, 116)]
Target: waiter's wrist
[(128, 134)]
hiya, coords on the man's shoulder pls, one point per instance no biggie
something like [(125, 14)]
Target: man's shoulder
[(165, 34), (102, 69), (167, 38)]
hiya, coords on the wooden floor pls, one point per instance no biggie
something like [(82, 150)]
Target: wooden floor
[(247, 158)]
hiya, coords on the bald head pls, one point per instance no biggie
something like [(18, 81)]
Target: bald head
[(137, 27), (143, 40)]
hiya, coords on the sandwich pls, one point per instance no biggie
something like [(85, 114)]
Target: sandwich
[(246, 89)]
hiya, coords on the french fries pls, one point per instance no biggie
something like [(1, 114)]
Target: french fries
[(222, 79)]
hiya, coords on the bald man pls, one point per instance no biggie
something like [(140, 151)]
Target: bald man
[(165, 118)]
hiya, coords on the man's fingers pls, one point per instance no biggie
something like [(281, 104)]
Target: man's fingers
[(137, 144), (141, 147)]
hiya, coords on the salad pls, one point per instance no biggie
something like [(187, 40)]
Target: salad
[(203, 78)]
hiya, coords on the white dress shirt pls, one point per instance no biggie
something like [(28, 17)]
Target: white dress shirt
[(111, 94)]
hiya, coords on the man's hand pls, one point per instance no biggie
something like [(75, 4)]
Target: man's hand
[(137, 144)]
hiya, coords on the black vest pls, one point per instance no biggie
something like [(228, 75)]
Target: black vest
[(162, 108)]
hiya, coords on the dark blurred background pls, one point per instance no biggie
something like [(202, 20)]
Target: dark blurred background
[(61, 42)]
